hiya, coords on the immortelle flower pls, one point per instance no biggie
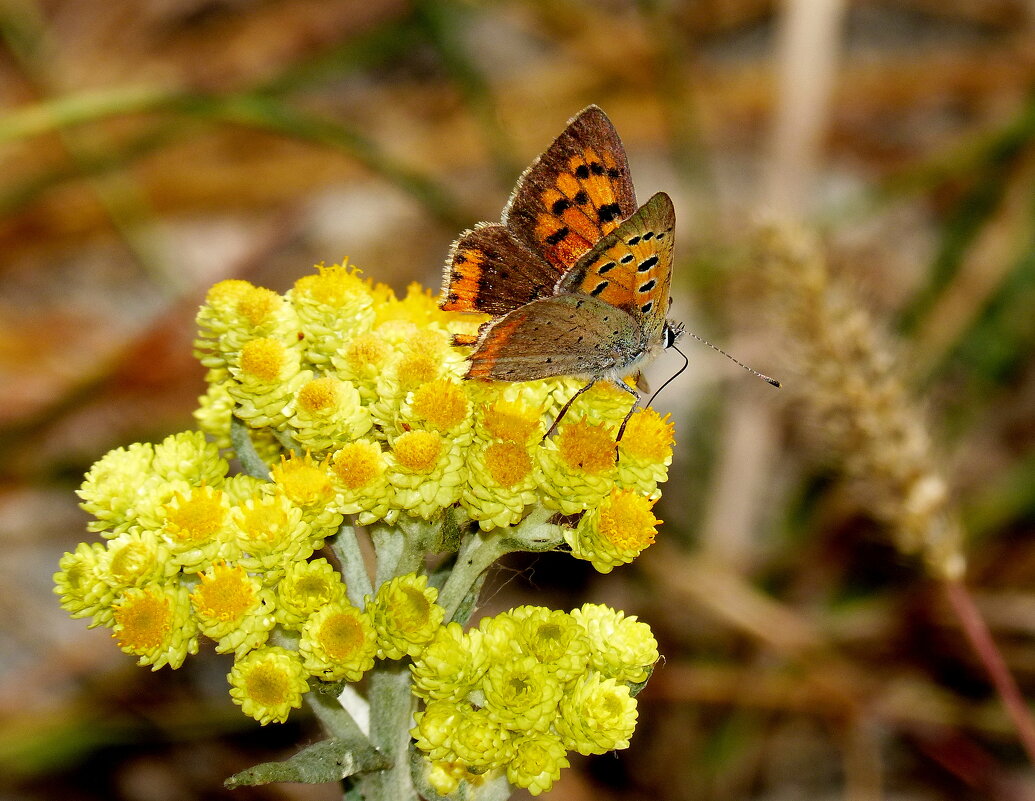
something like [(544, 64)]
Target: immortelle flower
[(345, 406), (526, 687), (615, 532), (268, 684), (405, 616), (154, 623), (338, 642)]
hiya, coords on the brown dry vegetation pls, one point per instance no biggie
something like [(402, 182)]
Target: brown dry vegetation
[(856, 206)]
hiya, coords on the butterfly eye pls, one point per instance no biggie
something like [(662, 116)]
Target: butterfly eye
[(670, 334)]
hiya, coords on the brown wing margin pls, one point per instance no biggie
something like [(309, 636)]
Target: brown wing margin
[(578, 190), (488, 271)]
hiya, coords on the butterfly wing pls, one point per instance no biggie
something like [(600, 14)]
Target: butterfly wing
[(577, 191), (567, 335), (488, 271), (631, 267)]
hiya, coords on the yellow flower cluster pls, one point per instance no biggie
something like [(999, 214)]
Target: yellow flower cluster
[(372, 387), (191, 551), (348, 401), (524, 688)]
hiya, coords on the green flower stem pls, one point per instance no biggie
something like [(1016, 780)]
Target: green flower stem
[(401, 548), (389, 543), (241, 439), (478, 552), (334, 718), (345, 545), (391, 712)]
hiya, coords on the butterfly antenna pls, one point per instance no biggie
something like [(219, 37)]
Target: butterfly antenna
[(670, 379), (704, 341)]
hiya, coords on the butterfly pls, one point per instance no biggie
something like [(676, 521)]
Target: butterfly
[(575, 276)]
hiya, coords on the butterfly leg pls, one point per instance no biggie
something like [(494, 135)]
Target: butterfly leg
[(566, 406), (629, 414)]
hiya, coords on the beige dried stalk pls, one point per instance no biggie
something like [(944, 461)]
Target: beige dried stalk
[(851, 391)]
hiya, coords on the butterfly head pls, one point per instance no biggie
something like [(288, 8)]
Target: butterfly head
[(670, 333)]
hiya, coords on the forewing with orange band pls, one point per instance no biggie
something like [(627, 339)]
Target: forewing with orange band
[(631, 267), (577, 191)]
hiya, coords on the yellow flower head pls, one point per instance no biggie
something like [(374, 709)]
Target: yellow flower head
[(418, 451), (306, 588), (235, 312), (310, 486), (304, 481), (271, 534), (366, 355), (338, 643), (511, 420), (427, 471), (646, 451), (596, 716), (268, 374), (136, 558), (451, 666), (264, 359), (578, 466), (555, 639), (586, 447), (360, 471), (338, 287), (81, 583), (522, 694), (233, 609), (501, 483), (328, 411), (441, 405), (120, 489), (405, 616), (620, 647), (537, 762), (155, 624), (268, 683), (615, 532), (436, 726), (480, 741), (195, 528)]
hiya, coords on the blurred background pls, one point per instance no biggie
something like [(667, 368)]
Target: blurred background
[(150, 148)]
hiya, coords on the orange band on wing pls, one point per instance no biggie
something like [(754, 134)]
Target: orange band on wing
[(497, 339), (464, 281)]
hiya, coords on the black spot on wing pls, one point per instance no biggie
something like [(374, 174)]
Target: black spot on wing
[(560, 205), (649, 286), (582, 172), (646, 264), (628, 257), (647, 237), (646, 307), (606, 268), (609, 212), (600, 288), (557, 236), (581, 197), (632, 241)]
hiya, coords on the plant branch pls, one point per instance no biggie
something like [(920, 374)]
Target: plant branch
[(980, 638)]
